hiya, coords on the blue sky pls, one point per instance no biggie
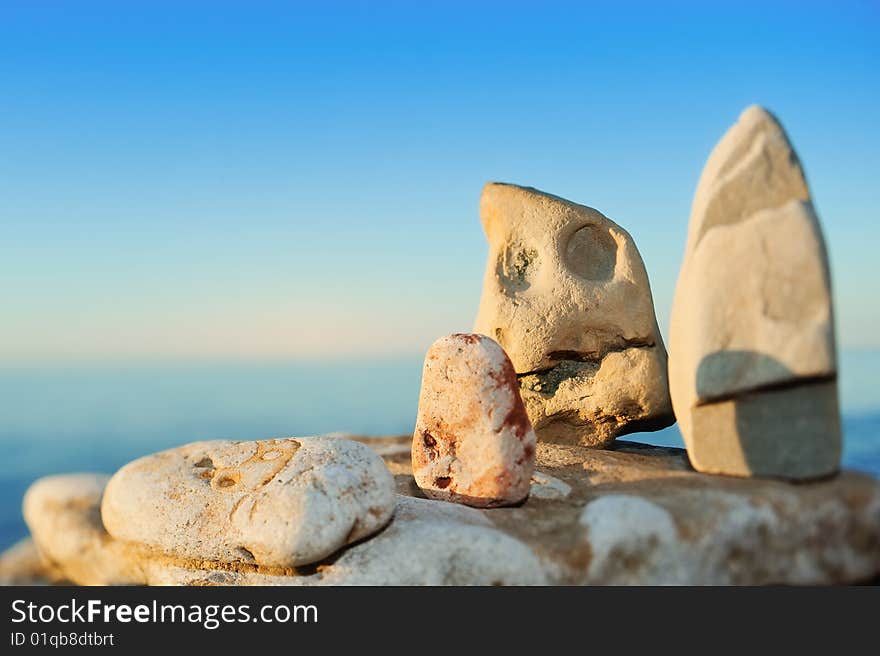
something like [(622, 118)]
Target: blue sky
[(255, 180)]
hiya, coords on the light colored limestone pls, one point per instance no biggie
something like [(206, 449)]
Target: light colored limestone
[(437, 543), (631, 539), (632, 515), (545, 486), (567, 297), (640, 515), (752, 364), (473, 442), (275, 503), (427, 543), (22, 564), (63, 515)]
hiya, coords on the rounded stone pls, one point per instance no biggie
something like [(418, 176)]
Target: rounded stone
[(61, 512), (273, 503), (473, 442)]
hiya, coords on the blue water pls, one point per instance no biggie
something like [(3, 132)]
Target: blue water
[(96, 418)]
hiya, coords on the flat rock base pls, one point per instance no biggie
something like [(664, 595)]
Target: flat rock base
[(632, 515), (641, 515)]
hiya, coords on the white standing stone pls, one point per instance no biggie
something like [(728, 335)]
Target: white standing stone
[(473, 442), (752, 365), (274, 503), (567, 297)]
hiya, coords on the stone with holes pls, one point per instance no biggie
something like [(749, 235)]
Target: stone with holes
[(567, 296), (426, 543), (473, 442), (753, 366), (274, 503)]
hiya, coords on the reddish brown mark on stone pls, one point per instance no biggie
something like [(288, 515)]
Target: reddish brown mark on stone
[(504, 479), (527, 453), (439, 436), (506, 377), (470, 338), (442, 482), (517, 419), (429, 444), (428, 440), (494, 484), (432, 439)]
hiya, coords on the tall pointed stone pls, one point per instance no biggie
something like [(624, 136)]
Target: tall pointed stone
[(752, 368), (567, 297)]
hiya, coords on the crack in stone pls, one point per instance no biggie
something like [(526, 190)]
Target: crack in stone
[(769, 387), (569, 358)]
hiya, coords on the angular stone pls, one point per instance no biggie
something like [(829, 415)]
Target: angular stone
[(567, 297), (752, 367), (275, 503), (545, 486), (473, 442)]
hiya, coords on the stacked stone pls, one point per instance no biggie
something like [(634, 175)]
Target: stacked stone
[(567, 296), (753, 367), (567, 357)]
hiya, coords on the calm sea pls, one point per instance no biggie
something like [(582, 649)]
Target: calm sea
[(97, 418)]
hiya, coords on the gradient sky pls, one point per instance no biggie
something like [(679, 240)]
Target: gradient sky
[(264, 179)]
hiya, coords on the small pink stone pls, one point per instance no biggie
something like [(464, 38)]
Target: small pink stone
[(473, 442)]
